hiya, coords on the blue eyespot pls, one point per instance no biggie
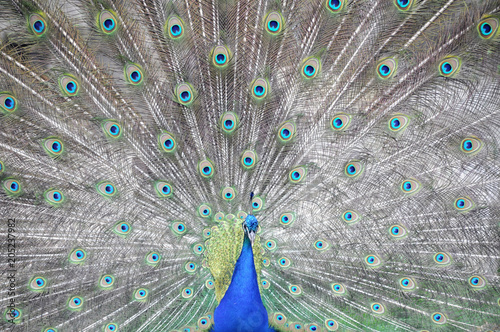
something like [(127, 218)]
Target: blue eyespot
[(351, 169), (335, 4), (207, 170), (39, 281), (285, 133), (259, 90), (180, 227), (284, 219), (220, 58), (109, 24), (114, 130), (56, 196), (14, 186), (348, 216), (38, 26), (175, 29), (109, 189), (273, 25), (248, 161), (205, 212), (165, 190), (486, 28), (439, 258), (407, 186), (228, 124), (446, 68), (309, 70), (467, 145), (255, 205), (395, 123), (9, 103), (395, 230), (71, 87), (337, 122), (384, 70), (124, 227), (135, 76), (295, 175), (403, 3), (185, 95)]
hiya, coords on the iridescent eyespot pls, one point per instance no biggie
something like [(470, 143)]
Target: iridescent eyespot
[(410, 186), (340, 122), (174, 27), (111, 327), (266, 262), (397, 231), (221, 56), (463, 204), (204, 323), (13, 314), (477, 282), (198, 248), (133, 74), (219, 216), (335, 6), (284, 262), (386, 68), (207, 232), (296, 326), (331, 325), (287, 132), (178, 228), (353, 169), (54, 197), (187, 292), (297, 174), (488, 27), (241, 215), (167, 142), (75, 303), (372, 261), (398, 122), (279, 318), (377, 308), (403, 5), (112, 128), (311, 67), (209, 284), (295, 289), (338, 289), (351, 217), (122, 228), (37, 284), (190, 267), (152, 258), (442, 258), (107, 22), (265, 283), (449, 66), (12, 187), (37, 24), (106, 189), (259, 88), (257, 203), (312, 327), (287, 218), (50, 329), (229, 122), (471, 145), (271, 245), (274, 23), (438, 318), (228, 193), (69, 85), (249, 159), (53, 146), (77, 256), (321, 245), (141, 294), (184, 93), (163, 189), (204, 211), (407, 283), (206, 168), (8, 102), (107, 281)]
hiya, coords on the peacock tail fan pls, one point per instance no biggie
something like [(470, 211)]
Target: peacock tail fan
[(132, 133)]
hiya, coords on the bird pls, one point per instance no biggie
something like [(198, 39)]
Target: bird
[(237, 165)]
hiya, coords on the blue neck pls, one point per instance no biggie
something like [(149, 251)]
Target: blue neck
[(241, 308)]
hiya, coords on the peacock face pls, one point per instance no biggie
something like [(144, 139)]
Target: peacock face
[(250, 226)]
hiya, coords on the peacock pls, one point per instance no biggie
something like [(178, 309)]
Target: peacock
[(250, 166)]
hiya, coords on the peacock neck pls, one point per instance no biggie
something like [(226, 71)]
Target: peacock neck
[(241, 308)]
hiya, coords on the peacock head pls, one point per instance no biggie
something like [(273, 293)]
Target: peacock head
[(250, 227)]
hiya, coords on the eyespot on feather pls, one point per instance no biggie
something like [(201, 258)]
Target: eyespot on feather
[(69, 85), (152, 258), (187, 292), (220, 56), (249, 159), (297, 174), (54, 197), (133, 73), (338, 289), (353, 168), (107, 281), (410, 186), (198, 248), (477, 282), (190, 267), (397, 231), (75, 303), (8, 103), (310, 68), (204, 211), (279, 318), (77, 256), (174, 28), (351, 217), (204, 323), (210, 284), (184, 94), (331, 325), (335, 6), (464, 204), (219, 216), (321, 245), (438, 318), (287, 132), (265, 283), (37, 284), (287, 218), (37, 24), (407, 284), (442, 258), (163, 189), (206, 168), (228, 193), (107, 22), (111, 327), (112, 128), (403, 5), (377, 308), (122, 228), (386, 68), (106, 189), (53, 146), (340, 122), (178, 227), (284, 262), (259, 89), (295, 290), (487, 28), (12, 187), (471, 145), (450, 66), (257, 204), (229, 122), (274, 23), (141, 294), (397, 123), (373, 261), (13, 314)]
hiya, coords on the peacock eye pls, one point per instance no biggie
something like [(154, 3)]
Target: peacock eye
[(488, 27), (403, 5), (335, 6), (152, 258), (77, 256), (209, 284), (477, 282), (438, 318), (229, 122), (198, 248), (204, 211), (111, 327), (340, 122), (373, 261), (286, 132), (295, 289), (249, 159), (284, 262), (106, 189), (206, 168), (353, 168), (204, 322), (321, 245), (190, 267), (274, 23), (37, 24), (410, 186), (312, 327), (351, 217), (37, 284), (378, 308), (265, 283), (297, 174), (311, 68), (463, 204), (185, 94), (397, 231), (174, 27), (259, 89), (141, 294), (471, 145), (338, 289), (220, 56), (398, 123), (331, 325), (53, 146), (386, 68), (75, 303), (407, 284), (442, 258), (107, 22), (107, 281), (187, 292), (271, 245), (287, 218), (449, 66), (8, 102), (178, 228)]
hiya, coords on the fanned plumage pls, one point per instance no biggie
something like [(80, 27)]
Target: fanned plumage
[(365, 132)]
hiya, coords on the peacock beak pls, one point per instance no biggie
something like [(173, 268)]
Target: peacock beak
[(250, 234)]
